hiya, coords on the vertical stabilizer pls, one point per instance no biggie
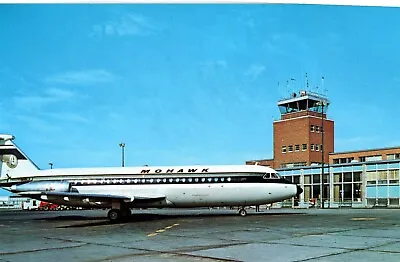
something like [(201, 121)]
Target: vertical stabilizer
[(14, 163)]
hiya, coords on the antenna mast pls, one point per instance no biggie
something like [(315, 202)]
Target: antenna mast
[(322, 86), (307, 82)]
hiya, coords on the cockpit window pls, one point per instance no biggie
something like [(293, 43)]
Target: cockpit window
[(271, 175)]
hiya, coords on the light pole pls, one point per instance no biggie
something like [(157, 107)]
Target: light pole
[(122, 145), (322, 103), (323, 159), (51, 165)]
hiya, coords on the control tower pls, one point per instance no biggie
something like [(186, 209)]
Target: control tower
[(303, 131)]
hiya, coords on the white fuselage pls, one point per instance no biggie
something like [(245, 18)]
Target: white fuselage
[(201, 195), (195, 186)]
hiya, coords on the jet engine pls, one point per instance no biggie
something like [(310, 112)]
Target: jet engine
[(43, 186)]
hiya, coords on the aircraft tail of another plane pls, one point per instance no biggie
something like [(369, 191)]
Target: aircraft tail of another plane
[(13, 162)]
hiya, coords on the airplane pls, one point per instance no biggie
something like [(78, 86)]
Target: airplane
[(121, 189)]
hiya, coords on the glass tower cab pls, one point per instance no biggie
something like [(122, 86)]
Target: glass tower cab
[(304, 101)]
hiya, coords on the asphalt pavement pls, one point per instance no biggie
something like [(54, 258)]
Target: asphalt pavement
[(202, 235)]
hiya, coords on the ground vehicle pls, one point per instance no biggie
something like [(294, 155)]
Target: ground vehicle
[(48, 206), (31, 204)]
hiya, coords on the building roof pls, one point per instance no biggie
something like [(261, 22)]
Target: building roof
[(365, 150)]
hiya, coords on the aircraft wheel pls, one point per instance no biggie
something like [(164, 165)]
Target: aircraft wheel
[(242, 212), (114, 215)]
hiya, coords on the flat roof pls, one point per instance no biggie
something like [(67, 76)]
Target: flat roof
[(365, 150), (303, 95)]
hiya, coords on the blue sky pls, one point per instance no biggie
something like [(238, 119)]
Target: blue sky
[(190, 84)]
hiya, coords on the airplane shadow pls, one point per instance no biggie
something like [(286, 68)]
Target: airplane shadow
[(144, 217)]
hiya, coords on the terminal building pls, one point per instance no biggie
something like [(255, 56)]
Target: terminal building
[(303, 152)]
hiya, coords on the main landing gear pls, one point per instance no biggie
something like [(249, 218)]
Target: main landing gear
[(116, 215)]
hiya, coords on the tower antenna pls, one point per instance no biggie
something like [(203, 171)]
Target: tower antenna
[(287, 87), (307, 82), (292, 80), (322, 86)]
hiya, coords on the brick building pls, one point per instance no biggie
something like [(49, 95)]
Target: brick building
[(363, 178), (298, 134)]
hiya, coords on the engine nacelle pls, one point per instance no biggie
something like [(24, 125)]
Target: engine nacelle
[(43, 186)]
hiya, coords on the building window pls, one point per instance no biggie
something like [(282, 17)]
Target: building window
[(295, 164), (316, 147), (290, 148), (297, 148), (392, 156), (317, 129), (304, 147), (312, 147), (373, 158), (312, 128), (336, 160), (345, 160), (283, 149), (361, 158), (320, 147)]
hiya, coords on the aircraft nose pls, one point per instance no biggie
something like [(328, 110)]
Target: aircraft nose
[(299, 190)]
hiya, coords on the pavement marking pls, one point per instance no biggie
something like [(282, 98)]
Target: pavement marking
[(363, 218), (161, 230)]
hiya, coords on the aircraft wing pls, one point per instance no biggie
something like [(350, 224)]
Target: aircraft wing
[(90, 197)]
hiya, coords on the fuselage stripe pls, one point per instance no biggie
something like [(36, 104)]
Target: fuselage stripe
[(177, 180)]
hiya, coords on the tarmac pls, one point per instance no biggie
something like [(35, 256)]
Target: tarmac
[(202, 235)]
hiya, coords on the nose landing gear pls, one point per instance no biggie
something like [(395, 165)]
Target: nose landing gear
[(242, 212)]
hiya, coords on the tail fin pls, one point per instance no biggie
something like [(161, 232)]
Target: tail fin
[(13, 162)]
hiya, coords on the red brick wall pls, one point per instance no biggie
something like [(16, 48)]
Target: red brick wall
[(298, 114), (364, 153), (297, 131), (261, 162)]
